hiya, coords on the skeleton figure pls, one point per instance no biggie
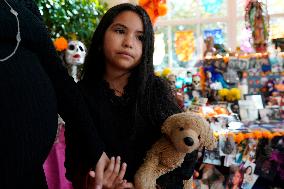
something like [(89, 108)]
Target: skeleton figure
[(74, 56), (196, 82), (196, 86)]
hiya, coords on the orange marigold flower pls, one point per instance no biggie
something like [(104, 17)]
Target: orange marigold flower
[(267, 134), (239, 138), (249, 135), (257, 134), (60, 44)]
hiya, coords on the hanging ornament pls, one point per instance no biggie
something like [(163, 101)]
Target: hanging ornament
[(258, 24), (154, 8), (184, 45)]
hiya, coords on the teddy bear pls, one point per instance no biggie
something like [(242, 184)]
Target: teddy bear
[(183, 133)]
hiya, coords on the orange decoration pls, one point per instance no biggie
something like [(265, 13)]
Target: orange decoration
[(184, 45), (202, 78), (276, 134), (257, 134), (249, 135), (60, 44), (239, 138), (143, 2), (221, 110), (267, 134), (154, 8)]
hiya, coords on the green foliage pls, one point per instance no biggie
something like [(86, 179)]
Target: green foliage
[(72, 18)]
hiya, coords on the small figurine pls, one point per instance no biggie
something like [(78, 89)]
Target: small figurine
[(74, 56)]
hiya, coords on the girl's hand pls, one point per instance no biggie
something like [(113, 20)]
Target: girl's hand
[(113, 175), (99, 171), (125, 185)]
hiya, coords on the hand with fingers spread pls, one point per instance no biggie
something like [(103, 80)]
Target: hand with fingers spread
[(99, 171), (113, 175)]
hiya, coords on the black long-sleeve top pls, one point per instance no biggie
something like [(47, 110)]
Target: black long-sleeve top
[(129, 129), (34, 87)]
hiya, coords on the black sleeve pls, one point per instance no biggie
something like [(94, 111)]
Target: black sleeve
[(80, 134), (162, 101), (31, 5), (174, 179)]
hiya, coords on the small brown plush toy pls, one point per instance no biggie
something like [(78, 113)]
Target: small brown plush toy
[(183, 133)]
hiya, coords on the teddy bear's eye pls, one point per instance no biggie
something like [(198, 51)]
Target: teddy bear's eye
[(181, 128), (199, 137)]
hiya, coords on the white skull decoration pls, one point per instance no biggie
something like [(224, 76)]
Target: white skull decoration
[(196, 82), (75, 53)]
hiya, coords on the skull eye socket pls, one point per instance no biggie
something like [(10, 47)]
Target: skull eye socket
[(180, 128), (81, 48), (71, 47)]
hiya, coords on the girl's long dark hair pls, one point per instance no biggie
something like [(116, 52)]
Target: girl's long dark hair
[(94, 66)]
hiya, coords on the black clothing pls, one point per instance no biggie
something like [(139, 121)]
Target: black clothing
[(127, 129), (34, 87)]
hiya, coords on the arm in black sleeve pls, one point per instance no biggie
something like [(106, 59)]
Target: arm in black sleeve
[(162, 101), (83, 145)]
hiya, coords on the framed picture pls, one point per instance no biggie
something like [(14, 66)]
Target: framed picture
[(212, 156), (273, 114), (247, 110), (257, 99), (227, 145)]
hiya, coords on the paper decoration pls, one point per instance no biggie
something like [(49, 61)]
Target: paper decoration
[(217, 34), (212, 6), (184, 45)]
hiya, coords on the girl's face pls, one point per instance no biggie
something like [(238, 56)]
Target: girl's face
[(237, 178), (248, 170), (123, 42)]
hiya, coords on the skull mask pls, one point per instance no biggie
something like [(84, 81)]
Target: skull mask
[(196, 82), (75, 53)]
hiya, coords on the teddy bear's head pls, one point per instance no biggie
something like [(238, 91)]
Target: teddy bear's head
[(188, 131)]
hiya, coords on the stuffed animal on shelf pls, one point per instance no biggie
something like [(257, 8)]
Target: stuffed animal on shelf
[(183, 133)]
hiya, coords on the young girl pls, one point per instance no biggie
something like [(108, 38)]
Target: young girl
[(127, 101)]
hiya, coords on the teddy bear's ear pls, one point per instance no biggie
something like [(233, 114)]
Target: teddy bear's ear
[(166, 127), (169, 123)]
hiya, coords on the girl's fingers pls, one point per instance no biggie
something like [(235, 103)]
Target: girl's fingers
[(109, 169), (115, 172), (117, 165), (125, 185), (119, 178), (92, 174), (122, 171)]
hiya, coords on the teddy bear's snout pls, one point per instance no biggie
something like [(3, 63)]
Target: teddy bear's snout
[(188, 141)]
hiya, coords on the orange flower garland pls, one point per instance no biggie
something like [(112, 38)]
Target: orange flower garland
[(255, 134)]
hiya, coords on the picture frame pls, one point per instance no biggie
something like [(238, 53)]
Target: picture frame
[(257, 99)]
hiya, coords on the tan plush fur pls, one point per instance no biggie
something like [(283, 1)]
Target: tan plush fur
[(168, 153)]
